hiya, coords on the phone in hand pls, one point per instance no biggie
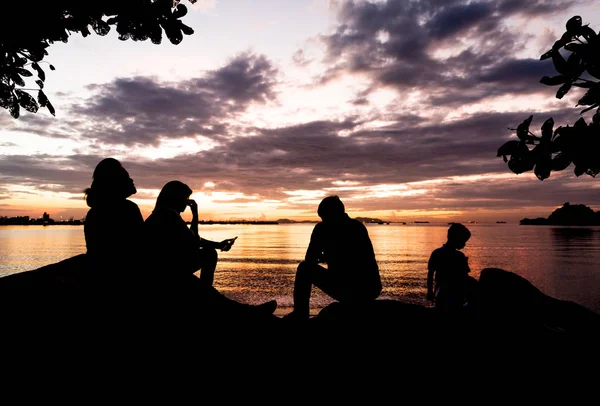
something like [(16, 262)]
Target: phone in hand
[(229, 243)]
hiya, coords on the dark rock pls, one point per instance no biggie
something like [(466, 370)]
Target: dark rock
[(567, 215), (508, 300)]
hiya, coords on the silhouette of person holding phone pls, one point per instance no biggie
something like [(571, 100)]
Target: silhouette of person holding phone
[(175, 253), (352, 274)]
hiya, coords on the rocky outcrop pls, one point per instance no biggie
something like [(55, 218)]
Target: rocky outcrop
[(567, 215)]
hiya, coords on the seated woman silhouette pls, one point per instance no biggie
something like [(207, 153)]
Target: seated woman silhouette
[(175, 253), (112, 230)]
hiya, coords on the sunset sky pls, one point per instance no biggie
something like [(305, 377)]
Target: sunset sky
[(396, 106)]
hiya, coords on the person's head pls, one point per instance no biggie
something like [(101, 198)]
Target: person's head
[(174, 195), (458, 235), (331, 208), (110, 182)]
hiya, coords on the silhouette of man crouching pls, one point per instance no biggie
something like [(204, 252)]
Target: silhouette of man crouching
[(352, 274)]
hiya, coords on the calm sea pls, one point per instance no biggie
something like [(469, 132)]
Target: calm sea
[(563, 262)]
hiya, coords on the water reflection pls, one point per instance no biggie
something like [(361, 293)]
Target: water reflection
[(560, 261)]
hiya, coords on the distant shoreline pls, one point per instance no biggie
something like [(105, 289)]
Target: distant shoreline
[(210, 222)]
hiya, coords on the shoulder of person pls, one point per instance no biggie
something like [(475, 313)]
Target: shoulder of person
[(131, 205), (162, 216), (437, 252), (441, 249), (354, 222), (318, 227), (90, 213), (460, 254)]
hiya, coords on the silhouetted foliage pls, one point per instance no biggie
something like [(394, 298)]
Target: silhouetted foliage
[(28, 29), (578, 144)]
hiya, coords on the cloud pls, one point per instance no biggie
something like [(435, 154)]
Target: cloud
[(423, 150), (454, 47), (143, 111)]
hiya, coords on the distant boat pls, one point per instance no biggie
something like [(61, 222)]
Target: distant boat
[(500, 222), (421, 222)]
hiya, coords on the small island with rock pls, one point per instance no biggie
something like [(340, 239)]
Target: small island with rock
[(567, 215)]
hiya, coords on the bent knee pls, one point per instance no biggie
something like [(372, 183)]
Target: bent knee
[(306, 267), (210, 255)]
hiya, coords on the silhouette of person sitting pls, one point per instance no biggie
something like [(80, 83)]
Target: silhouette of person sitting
[(113, 223), (352, 274), (112, 230), (175, 252), (448, 267)]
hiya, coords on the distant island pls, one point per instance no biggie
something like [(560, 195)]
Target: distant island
[(288, 221), (567, 215), (45, 220), (231, 222), (367, 220), (370, 220)]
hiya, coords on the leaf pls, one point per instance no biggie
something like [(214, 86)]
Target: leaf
[(574, 65), (186, 30), (547, 130), (40, 83), (42, 99), (546, 55), (6, 96), (588, 33), (543, 168), (24, 72), (579, 170), (180, 11), (574, 24), (563, 137), (39, 71), (519, 166), (558, 45), (84, 31), (156, 34), (523, 128), (17, 79), (508, 148), (27, 101), (50, 108), (553, 81), (585, 85), (559, 63), (14, 109), (577, 47), (52, 67), (36, 55), (561, 161), (580, 124), (592, 96), (100, 27), (174, 34), (564, 89), (590, 108)]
